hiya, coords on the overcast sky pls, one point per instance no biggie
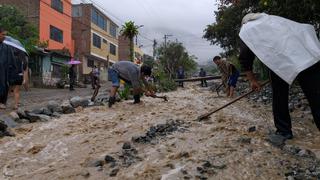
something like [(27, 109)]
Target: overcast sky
[(184, 19)]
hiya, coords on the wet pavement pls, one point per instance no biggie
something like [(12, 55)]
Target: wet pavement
[(36, 97)]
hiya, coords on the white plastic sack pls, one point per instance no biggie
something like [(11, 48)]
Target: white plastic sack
[(285, 46)]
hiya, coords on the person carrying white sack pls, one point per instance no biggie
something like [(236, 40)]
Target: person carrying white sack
[(291, 51)]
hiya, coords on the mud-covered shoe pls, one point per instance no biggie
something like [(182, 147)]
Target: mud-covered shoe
[(112, 100), (285, 135), (278, 139), (136, 99)]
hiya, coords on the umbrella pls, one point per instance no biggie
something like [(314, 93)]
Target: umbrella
[(73, 61), (14, 43)]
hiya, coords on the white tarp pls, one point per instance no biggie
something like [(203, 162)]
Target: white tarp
[(285, 46)]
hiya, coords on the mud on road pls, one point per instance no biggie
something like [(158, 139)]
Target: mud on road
[(161, 140)]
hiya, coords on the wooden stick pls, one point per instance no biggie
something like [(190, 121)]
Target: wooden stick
[(207, 115), (165, 98)]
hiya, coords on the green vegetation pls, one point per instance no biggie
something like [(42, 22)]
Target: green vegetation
[(170, 57), (130, 30), (125, 92), (225, 30), (163, 82), (17, 26)]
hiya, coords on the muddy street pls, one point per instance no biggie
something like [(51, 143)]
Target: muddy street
[(161, 140)]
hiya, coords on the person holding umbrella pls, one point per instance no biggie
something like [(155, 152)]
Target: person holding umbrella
[(6, 58), (72, 72), (72, 76), (18, 69), (17, 74)]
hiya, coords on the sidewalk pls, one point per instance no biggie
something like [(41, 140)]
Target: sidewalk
[(37, 97)]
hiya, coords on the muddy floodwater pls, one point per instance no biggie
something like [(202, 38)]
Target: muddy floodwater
[(161, 140)]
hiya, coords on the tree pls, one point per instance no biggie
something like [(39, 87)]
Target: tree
[(130, 30), (148, 60), (17, 26), (173, 55), (225, 30)]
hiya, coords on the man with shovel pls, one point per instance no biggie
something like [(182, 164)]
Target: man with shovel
[(291, 51)]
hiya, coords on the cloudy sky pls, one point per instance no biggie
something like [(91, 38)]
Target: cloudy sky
[(185, 20)]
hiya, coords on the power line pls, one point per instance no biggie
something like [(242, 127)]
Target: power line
[(105, 11), (120, 20)]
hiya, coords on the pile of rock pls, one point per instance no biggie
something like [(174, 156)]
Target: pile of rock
[(127, 156), (52, 110), (160, 130), (297, 99)]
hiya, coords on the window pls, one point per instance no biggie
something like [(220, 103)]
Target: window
[(57, 5), (76, 11), (98, 20), (56, 34), (113, 49), (113, 30), (96, 40), (90, 63)]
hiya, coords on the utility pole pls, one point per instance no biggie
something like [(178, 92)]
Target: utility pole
[(165, 49), (154, 49)]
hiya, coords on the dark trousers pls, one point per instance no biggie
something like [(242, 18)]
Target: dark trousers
[(4, 96), (72, 81), (309, 81), (204, 83)]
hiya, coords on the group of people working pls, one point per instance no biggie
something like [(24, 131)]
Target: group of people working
[(13, 71), (308, 77)]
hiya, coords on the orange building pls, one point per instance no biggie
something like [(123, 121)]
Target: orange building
[(55, 24), (53, 19)]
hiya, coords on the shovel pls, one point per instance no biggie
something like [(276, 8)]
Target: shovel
[(207, 115), (165, 98), (218, 89)]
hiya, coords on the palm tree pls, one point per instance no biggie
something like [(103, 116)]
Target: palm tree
[(130, 30)]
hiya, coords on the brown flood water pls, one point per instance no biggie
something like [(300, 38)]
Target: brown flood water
[(62, 148)]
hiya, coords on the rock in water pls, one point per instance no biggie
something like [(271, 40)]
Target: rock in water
[(109, 159), (8, 121), (78, 101), (3, 126), (14, 116), (56, 115), (53, 106), (252, 129), (114, 172), (37, 111), (126, 145), (21, 113), (67, 108), (47, 112), (37, 117)]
